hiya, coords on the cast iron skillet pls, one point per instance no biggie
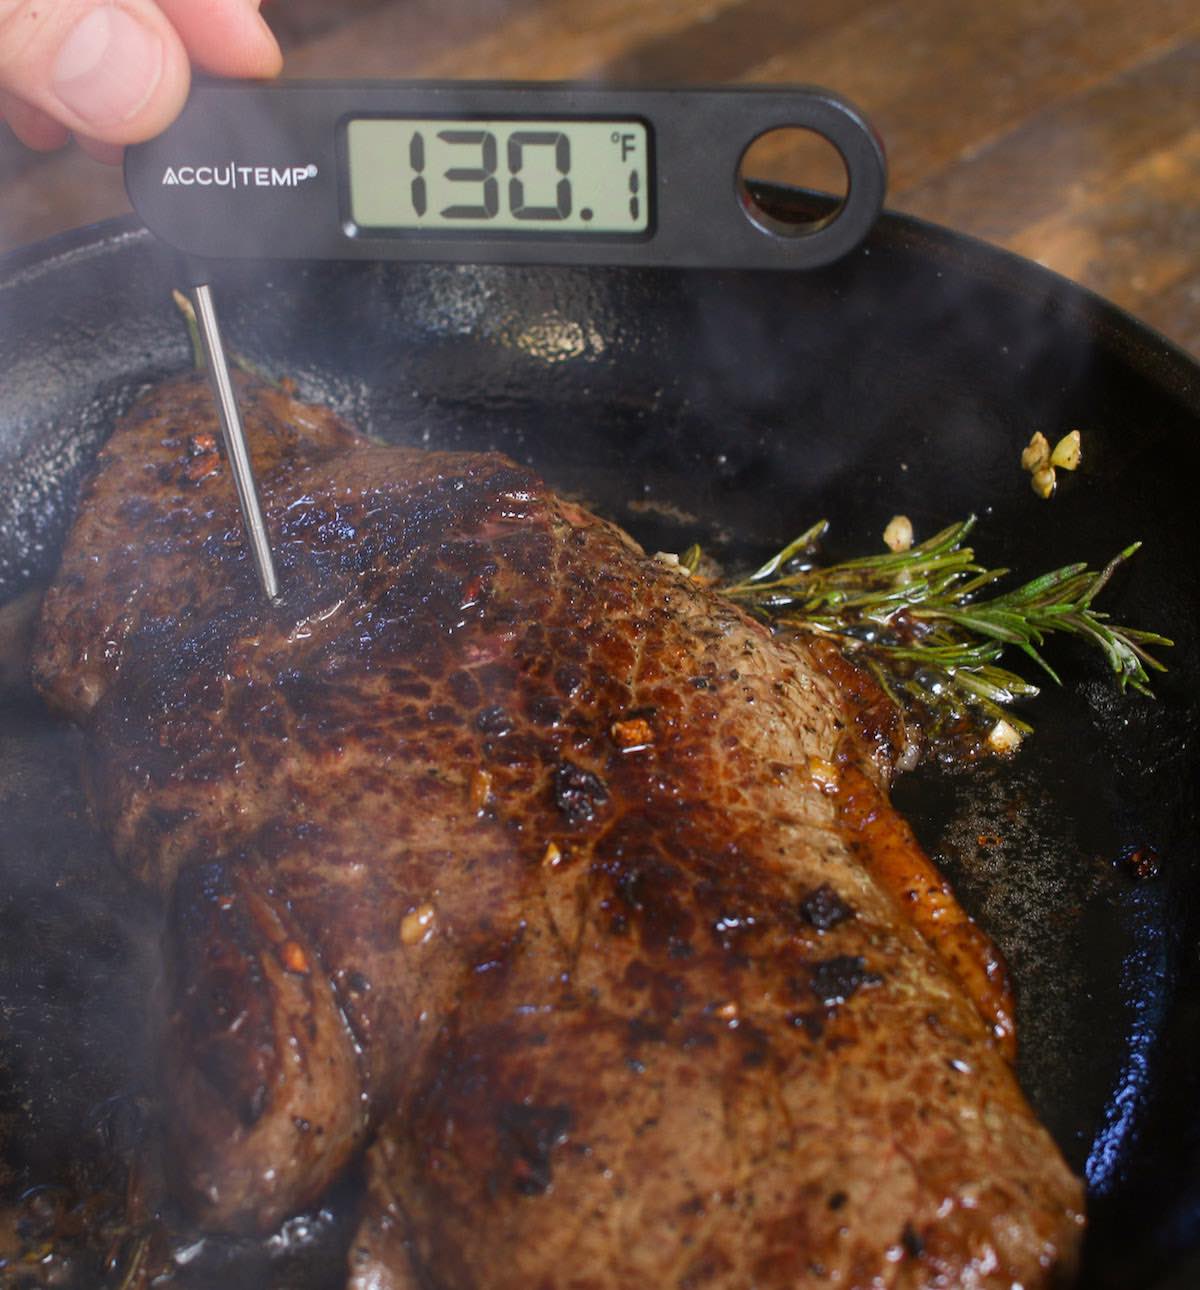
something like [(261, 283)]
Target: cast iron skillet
[(736, 408)]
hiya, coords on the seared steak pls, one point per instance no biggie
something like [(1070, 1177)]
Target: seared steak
[(537, 871)]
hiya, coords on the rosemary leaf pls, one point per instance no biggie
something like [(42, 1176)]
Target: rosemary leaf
[(804, 543)]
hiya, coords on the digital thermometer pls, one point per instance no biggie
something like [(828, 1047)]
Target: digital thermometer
[(484, 172)]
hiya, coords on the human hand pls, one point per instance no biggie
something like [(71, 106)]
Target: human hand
[(118, 73)]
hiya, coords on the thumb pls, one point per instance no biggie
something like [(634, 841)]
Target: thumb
[(115, 72)]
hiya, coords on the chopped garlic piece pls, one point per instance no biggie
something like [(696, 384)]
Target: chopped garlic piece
[(1037, 454), (632, 735), (898, 536), (672, 561), (1068, 452), (1044, 481), (481, 789), (417, 926), (552, 857), (1004, 738)]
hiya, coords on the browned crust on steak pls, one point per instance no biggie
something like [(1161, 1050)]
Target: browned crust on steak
[(885, 845), (556, 827), (257, 1051)]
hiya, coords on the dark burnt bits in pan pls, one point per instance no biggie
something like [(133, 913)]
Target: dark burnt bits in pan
[(1142, 861)]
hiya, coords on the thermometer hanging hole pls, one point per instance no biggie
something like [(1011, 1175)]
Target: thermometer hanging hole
[(803, 161)]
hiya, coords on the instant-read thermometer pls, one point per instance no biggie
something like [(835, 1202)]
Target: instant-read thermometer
[(481, 172)]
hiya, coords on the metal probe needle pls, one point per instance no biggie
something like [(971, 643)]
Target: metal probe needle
[(235, 440)]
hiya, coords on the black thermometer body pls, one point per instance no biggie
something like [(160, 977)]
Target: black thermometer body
[(483, 172)]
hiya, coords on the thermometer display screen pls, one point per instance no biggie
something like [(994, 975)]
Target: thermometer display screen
[(503, 175)]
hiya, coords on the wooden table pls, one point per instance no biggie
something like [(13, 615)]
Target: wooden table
[(1066, 130)]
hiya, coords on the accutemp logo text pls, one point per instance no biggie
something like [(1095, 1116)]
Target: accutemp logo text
[(232, 175)]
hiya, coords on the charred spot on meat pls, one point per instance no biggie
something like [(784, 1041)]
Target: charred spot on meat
[(534, 876), (824, 908)]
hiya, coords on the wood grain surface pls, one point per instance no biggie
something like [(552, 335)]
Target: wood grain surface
[(1065, 130)]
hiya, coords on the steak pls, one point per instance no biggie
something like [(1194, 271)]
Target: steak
[(534, 870)]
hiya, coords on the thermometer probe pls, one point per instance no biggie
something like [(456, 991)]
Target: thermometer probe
[(480, 172)]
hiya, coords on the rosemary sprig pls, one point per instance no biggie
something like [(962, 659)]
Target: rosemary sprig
[(186, 308), (923, 624)]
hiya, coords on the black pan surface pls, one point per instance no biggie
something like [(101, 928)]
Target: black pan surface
[(733, 408)]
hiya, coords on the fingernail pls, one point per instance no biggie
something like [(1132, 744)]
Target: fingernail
[(108, 66)]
